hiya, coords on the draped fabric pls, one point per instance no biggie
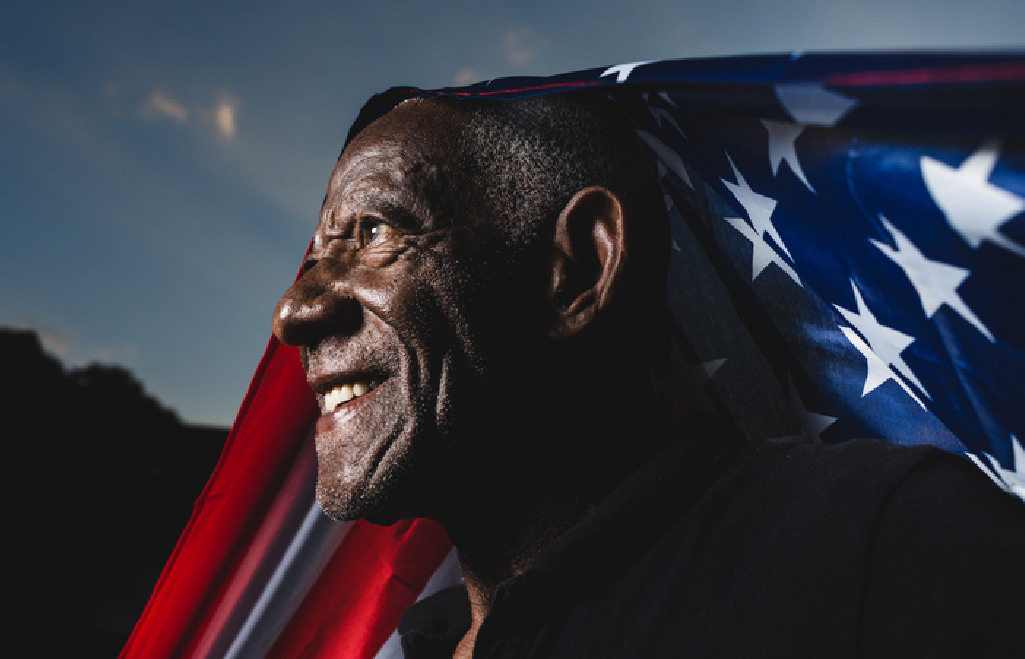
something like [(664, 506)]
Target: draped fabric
[(848, 256)]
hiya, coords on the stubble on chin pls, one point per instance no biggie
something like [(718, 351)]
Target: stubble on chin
[(357, 467), (383, 479)]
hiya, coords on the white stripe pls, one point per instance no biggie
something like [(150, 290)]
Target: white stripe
[(306, 556), (447, 574), (278, 570)]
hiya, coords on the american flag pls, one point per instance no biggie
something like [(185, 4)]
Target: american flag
[(848, 252)]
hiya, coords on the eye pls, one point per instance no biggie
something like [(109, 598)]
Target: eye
[(371, 230)]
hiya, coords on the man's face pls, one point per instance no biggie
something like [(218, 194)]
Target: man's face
[(413, 331)]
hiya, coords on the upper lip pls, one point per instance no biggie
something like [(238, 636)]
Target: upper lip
[(325, 383), (333, 363)]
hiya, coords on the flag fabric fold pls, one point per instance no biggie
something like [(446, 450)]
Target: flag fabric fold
[(848, 249)]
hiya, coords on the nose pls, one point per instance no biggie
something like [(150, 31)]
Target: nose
[(316, 306)]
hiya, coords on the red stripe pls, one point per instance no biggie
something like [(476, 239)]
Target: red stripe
[(273, 528), (274, 420), (968, 73), (355, 605)]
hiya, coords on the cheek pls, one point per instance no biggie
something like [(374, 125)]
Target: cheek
[(466, 329), (443, 405), (376, 293), (447, 339), (423, 304), (424, 296)]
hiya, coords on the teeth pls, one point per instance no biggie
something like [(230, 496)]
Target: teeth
[(344, 394)]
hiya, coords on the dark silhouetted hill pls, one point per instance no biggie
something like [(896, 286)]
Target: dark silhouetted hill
[(101, 482)]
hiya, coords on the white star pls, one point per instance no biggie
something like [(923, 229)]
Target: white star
[(812, 424), (1010, 480), (759, 207), (878, 372), (781, 147), (973, 206), (885, 343), (810, 103), (623, 71), (666, 155), (762, 254), (936, 283), (661, 113)]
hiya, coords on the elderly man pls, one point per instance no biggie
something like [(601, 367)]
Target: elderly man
[(480, 319)]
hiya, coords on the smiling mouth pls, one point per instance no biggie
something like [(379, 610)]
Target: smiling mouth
[(342, 394)]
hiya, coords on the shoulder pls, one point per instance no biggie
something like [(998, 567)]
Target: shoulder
[(947, 554), (857, 487), (848, 481), (833, 464), (886, 550), (890, 481)]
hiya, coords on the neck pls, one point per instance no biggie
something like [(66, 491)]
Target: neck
[(502, 519), (499, 543)]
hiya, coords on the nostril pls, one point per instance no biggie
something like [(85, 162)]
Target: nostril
[(297, 324), (307, 314)]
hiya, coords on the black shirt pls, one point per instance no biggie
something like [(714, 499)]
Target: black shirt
[(861, 549)]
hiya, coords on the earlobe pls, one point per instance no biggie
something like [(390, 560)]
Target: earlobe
[(589, 253)]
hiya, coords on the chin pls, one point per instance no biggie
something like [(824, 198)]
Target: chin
[(384, 501), (379, 515), (348, 502)]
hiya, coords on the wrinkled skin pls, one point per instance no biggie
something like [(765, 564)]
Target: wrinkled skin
[(412, 289), (508, 394)]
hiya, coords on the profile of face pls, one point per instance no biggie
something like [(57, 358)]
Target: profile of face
[(417, 333)]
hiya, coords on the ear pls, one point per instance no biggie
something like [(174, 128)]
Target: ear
[(588, 259)]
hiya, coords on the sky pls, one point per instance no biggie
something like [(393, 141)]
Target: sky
[(162, 164)]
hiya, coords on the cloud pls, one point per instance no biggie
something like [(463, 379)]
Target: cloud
[(54, 342), (522, 45), (224, 117), (159, 104), (466, 77)]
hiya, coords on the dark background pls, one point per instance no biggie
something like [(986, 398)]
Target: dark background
[(101, 484)]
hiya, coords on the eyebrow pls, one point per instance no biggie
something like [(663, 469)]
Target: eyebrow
[(398, 207)]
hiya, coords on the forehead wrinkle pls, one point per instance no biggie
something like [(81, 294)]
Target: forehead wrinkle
[(373, 163), (387, 175)]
